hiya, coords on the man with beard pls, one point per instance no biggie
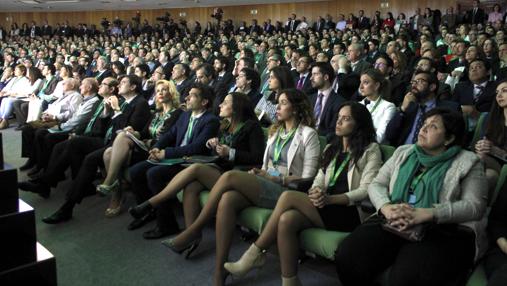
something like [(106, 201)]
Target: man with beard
[(406, 123)]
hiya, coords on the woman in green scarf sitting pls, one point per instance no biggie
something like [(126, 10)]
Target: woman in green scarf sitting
[(431, 200)]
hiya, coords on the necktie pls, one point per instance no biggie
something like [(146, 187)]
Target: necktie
[(300, 82), (97, 113), (478, 91), (366, 102), (318, 107), (419, 123)]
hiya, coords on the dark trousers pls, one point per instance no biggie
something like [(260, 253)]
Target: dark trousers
[(495, 266), (147, 181), (38, 143), (21, 110), (82, 185), (70, 153), (444, 257)]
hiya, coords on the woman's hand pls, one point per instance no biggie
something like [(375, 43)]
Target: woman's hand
[(483, 146), (318, 197), (258, 172), (222, 150), (156, 154), (129, 129), (502, 244), (409, 216), (114, 103), (212, 143)]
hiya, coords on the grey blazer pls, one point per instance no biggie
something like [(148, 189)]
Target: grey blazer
[(463, 198), (303, 155)]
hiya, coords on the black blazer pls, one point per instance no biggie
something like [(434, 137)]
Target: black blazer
[(307, 84), (226, 79), (401, 124), (183, 88), (249, 144), (220, 91), (100, 77), (464, 95), (479, 17), (254, 96), (328, 117), (136, 114), (363, 23), (205, 128), (100, 125), (168, 123)]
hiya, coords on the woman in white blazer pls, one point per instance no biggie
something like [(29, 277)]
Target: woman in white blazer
[(16, 88), (373, 87), (292, 153), (348, 166)]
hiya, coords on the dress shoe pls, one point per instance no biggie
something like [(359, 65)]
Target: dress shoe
[(254, 257), (140, 210), (159, 232), (28, 165), (36, 176), (187, 249), (139, 222), (19, 127), (38, 188), (33, 171), (59, 216)]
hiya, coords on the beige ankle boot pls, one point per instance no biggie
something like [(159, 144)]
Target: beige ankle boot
[(291, 281), (254, 257)]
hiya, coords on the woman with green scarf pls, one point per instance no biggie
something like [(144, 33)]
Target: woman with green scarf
[(434, 190)]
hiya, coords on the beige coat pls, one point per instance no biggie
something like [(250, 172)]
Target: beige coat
[(359, 176)]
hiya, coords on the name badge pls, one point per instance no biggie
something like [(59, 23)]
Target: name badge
[(274, 172), (411, 199)]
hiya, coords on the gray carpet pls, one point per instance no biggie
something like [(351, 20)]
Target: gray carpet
[(94, 250)]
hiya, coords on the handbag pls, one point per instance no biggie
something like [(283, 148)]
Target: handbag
[(414, 233)]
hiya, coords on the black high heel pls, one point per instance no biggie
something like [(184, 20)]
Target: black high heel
[(141, 210)]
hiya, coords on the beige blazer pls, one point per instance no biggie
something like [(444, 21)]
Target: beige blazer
[(303, 154), (359, 176)]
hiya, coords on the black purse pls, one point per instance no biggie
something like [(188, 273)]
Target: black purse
[(414, 233)]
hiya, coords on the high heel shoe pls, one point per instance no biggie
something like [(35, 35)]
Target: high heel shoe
[(112, 212), (140, 210), (254, 257), (105, 190), (187, 250)]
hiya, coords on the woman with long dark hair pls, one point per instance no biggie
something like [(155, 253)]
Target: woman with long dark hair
[(348, 165), (241, 142), (279, 78)]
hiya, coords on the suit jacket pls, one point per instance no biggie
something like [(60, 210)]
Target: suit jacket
[(288, 26), (205, 128), (135, 114), (303, 154), (401, 124), (226, 79), (101, 76), (50, 87), (183, 88), (47, 30), (327, 122), (318, 26), (254, 96), (330, 25), (361, 66), (269, 28), (220, 92), (347, 84), (307, 84), (479, 17), (363, 23), (464, 95), (255, 29)]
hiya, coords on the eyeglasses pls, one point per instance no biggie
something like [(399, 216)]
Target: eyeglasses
[(418, 81), (106, 84)]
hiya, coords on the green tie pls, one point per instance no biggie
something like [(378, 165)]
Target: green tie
[(97, 113)]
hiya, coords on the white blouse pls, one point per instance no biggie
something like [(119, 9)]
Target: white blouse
[(382, 111)]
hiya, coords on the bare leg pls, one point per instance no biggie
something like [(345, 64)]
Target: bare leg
[(191, 202), (122, 147), (239, 181), (205, 175), (107, 158), (288, 200), (230, 204)]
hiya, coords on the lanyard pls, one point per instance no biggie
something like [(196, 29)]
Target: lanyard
[(278, 147), (335, 175), (99, 110), (227, 139), (190, 129), (158, 120), (376, 104), (416, 181)]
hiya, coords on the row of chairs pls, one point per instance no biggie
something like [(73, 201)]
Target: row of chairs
[(320, 242)]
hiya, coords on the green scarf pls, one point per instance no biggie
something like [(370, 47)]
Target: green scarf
[(428, 187)]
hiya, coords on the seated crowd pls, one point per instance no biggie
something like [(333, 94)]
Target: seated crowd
[(254, 114)]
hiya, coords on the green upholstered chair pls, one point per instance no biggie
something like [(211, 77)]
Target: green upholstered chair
[(479, 129), (321, 242)]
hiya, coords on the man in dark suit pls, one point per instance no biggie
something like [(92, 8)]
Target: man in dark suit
[(325, 101), (356, 58), (221, 70), (476, 95), (35, 30), (47, 30), (328, 23), (206, 75), (254, 28), (476, 15), (165, 63), (405, 125), (180, 75), (292, 23), (318, 26), (188, 136), (362, 21), (268, 27), (134, 111), (303, 76), (102, 70)]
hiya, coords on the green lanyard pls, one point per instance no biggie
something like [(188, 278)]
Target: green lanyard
[(335, 175), (189, 129), (227, 139), (279, 147), (99, 110), (375, 106), (46, 83)]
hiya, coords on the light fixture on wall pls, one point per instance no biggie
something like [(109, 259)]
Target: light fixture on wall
[(384, 4), (183, 14), (253, 11)]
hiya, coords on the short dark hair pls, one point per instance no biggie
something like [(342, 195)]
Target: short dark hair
[(208, 70), (454, 124), (326, 69), (252, 75), (134, 80), (205, 92), (249, 62), (51, 68), (144, 68), (486, 63)]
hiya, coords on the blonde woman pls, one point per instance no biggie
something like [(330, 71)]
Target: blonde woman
[(126, 152)]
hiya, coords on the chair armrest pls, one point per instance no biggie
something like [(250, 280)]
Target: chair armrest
[(301, 185)]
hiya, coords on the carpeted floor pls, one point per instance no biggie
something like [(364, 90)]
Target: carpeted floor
[(94, 250)]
